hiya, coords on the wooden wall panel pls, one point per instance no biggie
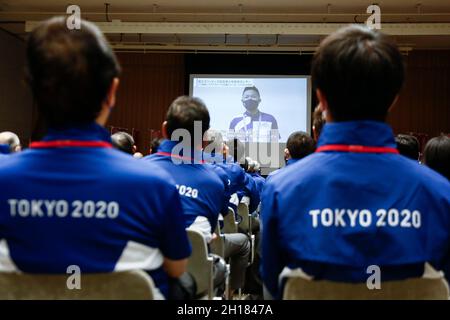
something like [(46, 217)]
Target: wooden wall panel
[(424, 103), (149, 83)]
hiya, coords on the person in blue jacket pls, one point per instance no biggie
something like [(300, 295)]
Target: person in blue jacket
[(355, 203), (204, 188), (241, 183), (71, 199), (299, 145)]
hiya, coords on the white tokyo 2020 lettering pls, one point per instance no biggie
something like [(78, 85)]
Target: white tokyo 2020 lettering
[(186, 191), (364, 218), (25, 208)]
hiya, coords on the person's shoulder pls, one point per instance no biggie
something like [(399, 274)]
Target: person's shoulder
[(214, 175), (297, 173), (235, 121), (268, 117), (139, 171), (15, 163)]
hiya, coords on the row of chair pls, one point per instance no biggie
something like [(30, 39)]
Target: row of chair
[(138, 285)]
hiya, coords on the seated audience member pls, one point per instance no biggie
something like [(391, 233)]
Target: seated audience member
[(255, 172), (318, 123), (154, 145), (9, 142), (408, 146), (437, 155), (355, 202), (83, 202), (299, 145), (241, 183), (200, 186), (124, 142)]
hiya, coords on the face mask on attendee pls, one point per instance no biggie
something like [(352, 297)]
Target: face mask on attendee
[(250, 104)]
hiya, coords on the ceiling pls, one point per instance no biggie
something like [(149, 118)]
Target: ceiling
[(223, 13)]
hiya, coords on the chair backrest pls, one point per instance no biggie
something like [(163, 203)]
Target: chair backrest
[(200, 264), (229, 222), (299, 288), (245, 224), (123, 285), (217, 246)]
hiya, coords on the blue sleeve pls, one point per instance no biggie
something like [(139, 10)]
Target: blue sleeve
[(271, 264), (227, 185), (233, 123), (274, 123), (175, 244), (251, 191)]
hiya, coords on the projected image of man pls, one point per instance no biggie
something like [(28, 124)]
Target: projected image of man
[(254, 125)]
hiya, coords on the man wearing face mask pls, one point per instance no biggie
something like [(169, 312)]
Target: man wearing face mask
[(254, 125)]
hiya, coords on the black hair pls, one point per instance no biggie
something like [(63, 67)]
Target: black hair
[(251, 88), (408, 146), (437, 155), (69, 71), (300, 144), (360, 72), (123, 141), (154, 145), (184, 112)]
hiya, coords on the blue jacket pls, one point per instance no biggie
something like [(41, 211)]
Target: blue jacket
[(94, 207), (335, 213), (201, 189), (260, 181), (4, 151), (288, 163)]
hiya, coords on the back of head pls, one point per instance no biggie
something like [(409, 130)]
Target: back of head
[(360, 72), (123, 141), (11, 139), (185, 113), (69, 71), (300, 144), (154, 145), (437, 155), (252, 165), (214, 140), (408, 146)]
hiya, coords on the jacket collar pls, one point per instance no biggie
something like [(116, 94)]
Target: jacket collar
[(167, 147), (364, 133), (85, 132)]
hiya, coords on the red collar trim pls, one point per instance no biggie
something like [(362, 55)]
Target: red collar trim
[(177, 156), (356, 149), (70, 144)]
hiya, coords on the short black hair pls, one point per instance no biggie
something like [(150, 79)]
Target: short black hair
[(123, 141), (408, 146), (182, 114), (360, 71), (300, 144), (154, 145), (437, 155), (251, 88), (69, 71)]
